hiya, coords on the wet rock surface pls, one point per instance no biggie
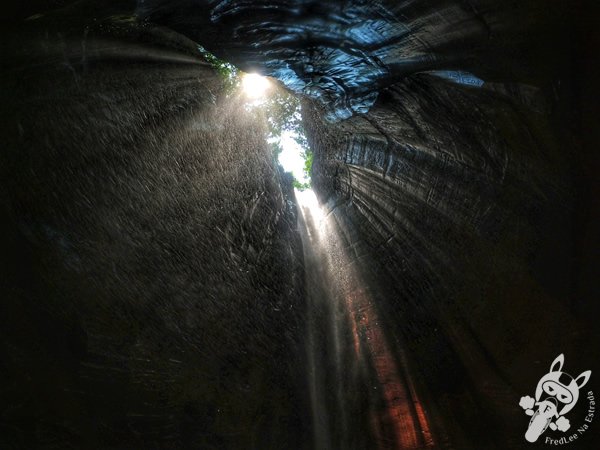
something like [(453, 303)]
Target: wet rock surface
[(342, 52), (152, 274), (151, 277), (456, 203)]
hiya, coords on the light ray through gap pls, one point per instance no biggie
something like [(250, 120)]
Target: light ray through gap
[(403, 413), (254, 85), (291, 158)]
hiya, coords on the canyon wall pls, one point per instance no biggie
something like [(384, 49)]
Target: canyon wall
[(152, 279), (456, 203), (151, 271)]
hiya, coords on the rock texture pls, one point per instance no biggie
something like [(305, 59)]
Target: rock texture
[(455, 203), (152, 287), (151, 277), (343, 52)]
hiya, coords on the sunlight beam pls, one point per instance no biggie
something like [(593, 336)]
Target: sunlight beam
[(291, 157), (255, 85)]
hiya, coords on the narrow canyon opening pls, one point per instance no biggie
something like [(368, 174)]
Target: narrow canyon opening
[(290, 224)]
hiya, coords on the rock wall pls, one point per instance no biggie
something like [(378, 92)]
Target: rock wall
[(457, 204), (342, 53), (152, 286), (151, 271)]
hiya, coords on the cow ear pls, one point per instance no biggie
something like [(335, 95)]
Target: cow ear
[(557, 363), (583, 378)]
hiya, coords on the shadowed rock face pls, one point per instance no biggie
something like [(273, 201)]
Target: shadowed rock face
[(456, 204), (152, 281), (343, 52)]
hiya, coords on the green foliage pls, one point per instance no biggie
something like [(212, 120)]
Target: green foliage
[(307, 154), (281, 108), (283, 112), (228, 72), (300, 186), (276, 148)]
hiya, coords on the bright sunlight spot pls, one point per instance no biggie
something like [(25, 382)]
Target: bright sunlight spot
[(307, 199), (291, 158), (281, 108), (254, 85)]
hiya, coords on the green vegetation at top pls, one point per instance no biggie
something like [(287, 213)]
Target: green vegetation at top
[(282, 109), (284, 115), (228, 72)]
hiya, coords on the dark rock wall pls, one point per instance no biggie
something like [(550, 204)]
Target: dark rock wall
[(151, 280), (343, 52), (457, 203), (151, 285)]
